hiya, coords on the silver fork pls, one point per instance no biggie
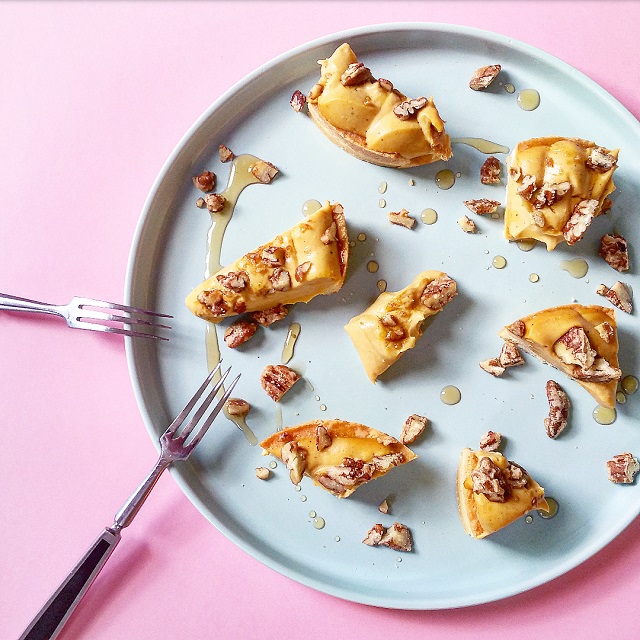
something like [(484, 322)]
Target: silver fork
[(86, 313), (173, 446)]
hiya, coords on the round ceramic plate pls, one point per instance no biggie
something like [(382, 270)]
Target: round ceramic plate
[(271, 520)]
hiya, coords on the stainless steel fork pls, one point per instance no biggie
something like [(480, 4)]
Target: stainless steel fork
[(86, 313), (173, 446)]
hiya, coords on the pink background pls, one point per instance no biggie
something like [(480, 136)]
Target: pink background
[(93, 98)]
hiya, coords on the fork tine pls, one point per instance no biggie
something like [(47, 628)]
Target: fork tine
[(88, 314), (88, 302), (92, 326)]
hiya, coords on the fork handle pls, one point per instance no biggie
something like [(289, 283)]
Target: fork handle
[(14, 303), (52, 617)]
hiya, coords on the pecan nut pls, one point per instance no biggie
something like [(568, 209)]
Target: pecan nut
[(413, 426), (490, 171), (489, 480), (402, 218), (214, 301), (269, 316), (467, 224), (323, 439), (619, 296), (295, 460), (574, 348), (613, 250), (234, 280), (397, 537), (622, 468), (438, 293), (264, 171), (356, 73), (409, 108), (239, 332), (225, 154), (277, 379), (482, 206), (581, 217), (491, 441), (374, 535), (484, 76), (215, 202), (601, 161), (492, 366), (298, 101), (262, 473), (510, 355), (206, 181), (559, 405), (237, 407)]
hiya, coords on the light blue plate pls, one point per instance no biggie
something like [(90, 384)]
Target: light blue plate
[(269, 519)]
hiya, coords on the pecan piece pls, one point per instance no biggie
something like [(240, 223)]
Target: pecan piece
[(298, 101), (351, 472), (573, 347), (491, 441), (484, 76), (492, 366), (295, 459), (489, 480), (225, 154), (397, 537), (264, 171), (600, 371), (467, 224), (323, 439), (383, 507), (528, 187), (214, 301), (262, 473), (330, 234), (516, 476), (277, 379), (269, 316), (374, 535), (215, 202), (239, 332), (395, 334), (409, 108), (613, 250), (599, 160), (356, 73), (605, 330), (237, 407), (302, 270), (402, 218), (510, 355), (581, 218), (385, 84), (559, 405), (622, 468), (438, 293), (234, 280), (548, 194), (619, 295), (482, 206), (280, 279), (518, 328), (206, 181), (273, 256), (413, 426), (490, 171), (200, 203)]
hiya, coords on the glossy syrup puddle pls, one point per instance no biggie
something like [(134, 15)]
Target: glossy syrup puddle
[(482, 145), (577, 268)]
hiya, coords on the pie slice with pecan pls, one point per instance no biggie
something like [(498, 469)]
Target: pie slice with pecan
[(337, 455), (581, 341), (393, 323), (493, 492), (556, 187), (307, 260), (371, 120)]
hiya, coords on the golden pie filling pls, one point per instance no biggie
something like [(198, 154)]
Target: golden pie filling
[(556, 187), (337, 455), (307, 260), (493, 492), (393, 323), (372, 115)]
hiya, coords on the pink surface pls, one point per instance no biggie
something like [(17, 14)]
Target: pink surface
[(93, 98)]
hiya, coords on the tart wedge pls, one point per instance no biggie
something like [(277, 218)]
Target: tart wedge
[(493, 492), (581, 341), (337, 455), (393, 323), (309, 259), (371, 120), (556, 186)]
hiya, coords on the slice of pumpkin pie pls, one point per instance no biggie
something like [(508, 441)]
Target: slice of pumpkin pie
[(581, 341), (309, 259), (337, 455)]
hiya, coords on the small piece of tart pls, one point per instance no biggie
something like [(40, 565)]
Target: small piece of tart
[(337, 455), (309, 259), (371, 120), (556, 186), (493, 492), (581, 341), (393, 323)]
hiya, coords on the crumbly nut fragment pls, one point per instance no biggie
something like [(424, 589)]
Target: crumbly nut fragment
[(438, 293), (516, 476), (581, 217), (607, 203), (527, 187), (302, 270), (214, 301), (206, 181), (385, 84), (280, 279), (264, 171), (323, 439), (387, 461), (225, 154), (374, 535), (492, 366), (490, 171), (548, 194), (622, 468), (559, 405), (482, 206), (239, 332), (402, 218), (277, 379), (397, 537), (215, 202), (269, 316), (262, 473), (356, 73), (613, 250), (389, 320), (413, 426), (234, 280), (467, 224), (395, 334), (510, 355), (515, 173), (605, 330), (200, 203), (599, 160), (237, 407), (330, 234), (273, 256), (298, 101), (315, 92), (489, 480), (491, 441), (518, 328), (409, 108), (619, 295), (573, 347), (351, 472), (600, 371), (383, 507), (484, 76), (537, 217), (295, 459)]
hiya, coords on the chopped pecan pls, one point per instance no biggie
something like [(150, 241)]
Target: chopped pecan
[(528, 187), (600, 371), (330, 234), (613, 249), (374, 535), (302, 270), (215, 202), (239, 332), (518, 328), (622, 468), (395, 334), (214, 301), (277, 379), (200, 203), (599, 160), (385, 84), (402, 218), (383, 507), (510, 355), (559, 405), (295, 459), (264, 171), (413, 426), (516, 476), (387, 461), (356, 73), (234, 280), (619, 295), (515, 173), (491, 441), (298, 101), (607, 203), (262, 473), (492, 366), (269, 316), (489, 480), (280, 279), (605, 330), (409, 108), (548, 194), (397, 537), (467, 224), (537, 217), (389, 320), (225, 154), (482, 206), (323, 439), (273, 256), (332, 485), (351, 472), (206, 181), (484, 76), (581, 217), (573, 347), (438, 293), (490, 171), (315, 92), (237, 407)]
